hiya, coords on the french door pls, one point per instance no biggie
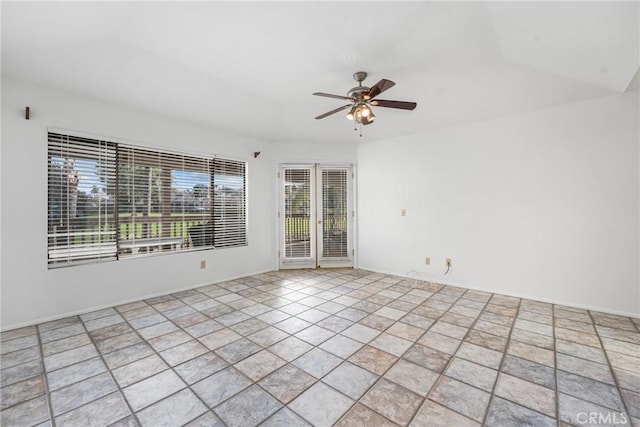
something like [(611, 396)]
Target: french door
[(316, 216)]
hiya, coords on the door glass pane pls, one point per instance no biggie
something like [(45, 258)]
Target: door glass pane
[(334, 213), (297, 212)]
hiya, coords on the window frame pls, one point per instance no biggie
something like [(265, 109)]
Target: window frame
[(166, 242)]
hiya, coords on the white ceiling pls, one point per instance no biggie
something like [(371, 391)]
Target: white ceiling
[(250, 67)]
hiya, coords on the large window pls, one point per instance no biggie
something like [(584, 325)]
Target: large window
[(112, 201)]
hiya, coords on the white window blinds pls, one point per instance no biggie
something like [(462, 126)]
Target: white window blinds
[(81, 200), (334, 213), (110, 201), (297, 212), (229, 203), (164, 201)]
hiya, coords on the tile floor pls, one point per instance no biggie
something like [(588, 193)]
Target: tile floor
[(321, 348)]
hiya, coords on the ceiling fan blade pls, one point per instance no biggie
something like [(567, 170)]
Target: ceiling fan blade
[(403, 105), (378, 88), (328, 95), (328, 113)]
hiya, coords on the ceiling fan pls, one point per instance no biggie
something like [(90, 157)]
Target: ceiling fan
[(361, 99)]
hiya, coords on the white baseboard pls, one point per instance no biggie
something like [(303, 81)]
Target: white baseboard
[(442, 280), (128, 300), (436, 278)]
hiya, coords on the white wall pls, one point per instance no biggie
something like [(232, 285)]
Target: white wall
[(311, 152), (541, 205), (31, 292)]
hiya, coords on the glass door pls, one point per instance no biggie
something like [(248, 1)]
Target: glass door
[(297, 217), (335, 215), (316, 216)]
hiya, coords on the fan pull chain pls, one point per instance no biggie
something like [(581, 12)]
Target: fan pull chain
[(355, 127)]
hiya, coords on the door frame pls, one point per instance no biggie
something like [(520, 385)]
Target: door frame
[(316, 182)]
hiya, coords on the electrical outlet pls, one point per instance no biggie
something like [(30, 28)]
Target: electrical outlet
[(427, 261), (203, 264), (448, 261), (403, 212)]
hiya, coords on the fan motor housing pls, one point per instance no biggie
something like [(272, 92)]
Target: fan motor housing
[(357, 92)]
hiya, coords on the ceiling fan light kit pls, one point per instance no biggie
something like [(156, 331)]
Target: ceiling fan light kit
[(362, 98)]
